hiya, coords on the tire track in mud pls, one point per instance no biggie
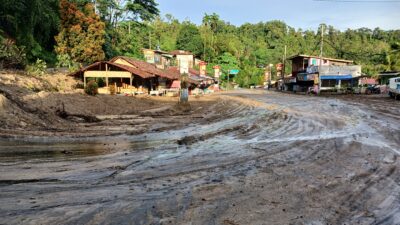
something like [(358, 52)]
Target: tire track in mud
[(267, 156), (332, 121)]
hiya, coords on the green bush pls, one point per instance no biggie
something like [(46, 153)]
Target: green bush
[(11, 57), (92, 88), (38, 68), (64, 60), (101, 82), (79, 86)]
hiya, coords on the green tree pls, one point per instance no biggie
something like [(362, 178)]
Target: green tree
[(10, 55), (82, 34), (227, 62), (189, 39), (32, 24)]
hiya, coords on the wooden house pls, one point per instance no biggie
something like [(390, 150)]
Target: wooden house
[(125, 79), (160, 59), (183, 59), (127, 75), (162, 78)]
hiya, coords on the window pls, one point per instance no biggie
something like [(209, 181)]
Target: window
[(314, 62), (149, 58), (157, 59), (305, 63), (328, 83)]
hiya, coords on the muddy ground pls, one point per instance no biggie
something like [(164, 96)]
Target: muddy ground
[(244, 157), (50, 106)]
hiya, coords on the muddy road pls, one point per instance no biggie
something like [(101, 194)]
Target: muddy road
[(254, 157)]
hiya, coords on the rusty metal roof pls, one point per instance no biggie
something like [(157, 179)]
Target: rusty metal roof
[(101, 66), (147, 67)]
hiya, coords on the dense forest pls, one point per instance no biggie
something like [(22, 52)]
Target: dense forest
[(78, 32)]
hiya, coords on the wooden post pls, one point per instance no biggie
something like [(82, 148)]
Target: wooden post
[(84, 80), (130, 84), (106, 76)]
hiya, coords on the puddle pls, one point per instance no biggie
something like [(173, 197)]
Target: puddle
[(29, 150), (17, 150)]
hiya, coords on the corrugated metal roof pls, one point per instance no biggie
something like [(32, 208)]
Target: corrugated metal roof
[(180, 52), (175, 70), (194, 75), (147, 67), (100, 66), (389, 73), (317, 57)]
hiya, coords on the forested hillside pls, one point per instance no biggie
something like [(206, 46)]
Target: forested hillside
[(77, 32)]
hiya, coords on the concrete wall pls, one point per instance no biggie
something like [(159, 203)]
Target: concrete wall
[(185, 61), (355, 71), (149, 56), (315, 62)]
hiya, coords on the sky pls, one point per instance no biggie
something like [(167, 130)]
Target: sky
[(304, 14)]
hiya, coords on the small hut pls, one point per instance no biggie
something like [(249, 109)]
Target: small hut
[(127, 75), (125, 79), (162, 78)]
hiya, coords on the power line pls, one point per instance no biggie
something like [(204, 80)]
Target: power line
[(360, 1)]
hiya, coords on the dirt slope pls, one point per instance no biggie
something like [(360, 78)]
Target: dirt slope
[(31, 106)]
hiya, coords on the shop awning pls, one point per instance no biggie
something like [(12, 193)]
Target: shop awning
[(336, 77)]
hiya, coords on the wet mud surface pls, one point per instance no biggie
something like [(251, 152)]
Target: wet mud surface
[(252, 157)]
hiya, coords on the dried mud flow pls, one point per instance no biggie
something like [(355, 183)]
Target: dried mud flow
[(249, 157)]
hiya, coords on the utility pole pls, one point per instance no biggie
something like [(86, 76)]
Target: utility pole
[(322, 44), (320, 57), (205, 43), (270, 76), (284, 65), (227, 86), (150, 39)]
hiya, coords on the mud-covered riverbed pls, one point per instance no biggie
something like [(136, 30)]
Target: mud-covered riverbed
[(252, 157)]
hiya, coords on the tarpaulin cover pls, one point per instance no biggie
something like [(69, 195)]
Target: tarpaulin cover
[(368, 81), (336, 77), (176, 84)]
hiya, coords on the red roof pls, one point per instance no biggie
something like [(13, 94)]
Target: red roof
[(175, 70), (194, 75), (147, 67), (101, 66)]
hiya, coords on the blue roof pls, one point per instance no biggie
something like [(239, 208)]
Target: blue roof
[(336, 77)]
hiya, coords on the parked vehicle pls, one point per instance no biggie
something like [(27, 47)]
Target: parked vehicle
[(373, 89), (394, 87)]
